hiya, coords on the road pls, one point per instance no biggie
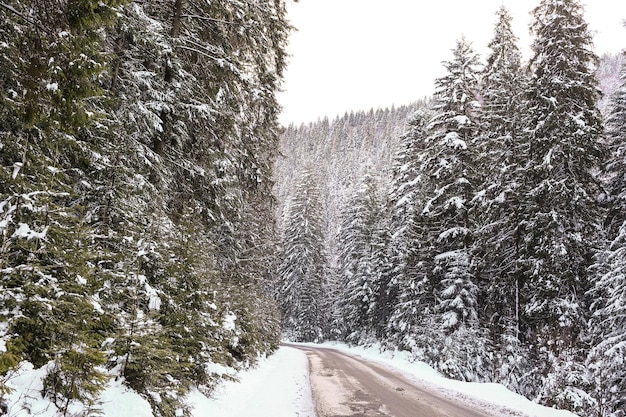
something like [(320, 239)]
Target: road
[(346, 386)]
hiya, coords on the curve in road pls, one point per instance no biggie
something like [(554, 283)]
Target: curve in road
[(345, 386)]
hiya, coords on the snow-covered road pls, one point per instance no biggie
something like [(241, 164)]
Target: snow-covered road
[(344, 385)]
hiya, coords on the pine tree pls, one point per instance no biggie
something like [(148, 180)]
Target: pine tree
[(559, 214), (302, 269), (451, 172), (381, 305), (197, 107), (452, 178), (362, 243), (616, 166), (501, 86), (127, 233), (410, 287), (431, 245), (50, 63), (606, 359), (501, 154)]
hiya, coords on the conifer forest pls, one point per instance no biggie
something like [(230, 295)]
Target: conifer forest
[(158, 223)]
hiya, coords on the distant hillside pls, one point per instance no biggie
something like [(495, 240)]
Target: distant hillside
[(341, 152)]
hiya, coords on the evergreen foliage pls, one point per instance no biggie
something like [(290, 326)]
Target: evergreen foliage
[(451, 177), (410, 286), (497, 238), (302, 271), (137, 142), (50, 64), (606, 358), (137, 232), (559, 213), (362, 257), (448, 223)]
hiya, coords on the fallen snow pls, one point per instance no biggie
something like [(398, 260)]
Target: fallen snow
[(24, 231), (279, 387), (118, 400), (288, 394)]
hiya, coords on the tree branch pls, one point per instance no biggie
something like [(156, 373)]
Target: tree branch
[(195, 16), (26, 19)]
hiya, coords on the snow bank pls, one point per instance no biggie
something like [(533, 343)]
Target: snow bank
[(26, 384), (278, 387), (25, 400), (491, 396), (118, 400)]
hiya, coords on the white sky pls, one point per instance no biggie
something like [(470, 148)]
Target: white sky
[(362, 54)]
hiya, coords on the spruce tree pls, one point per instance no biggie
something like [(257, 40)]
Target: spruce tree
[(502, 152), (449, 165), (616, 166), (362, 243), (381, 304), (435, 282), (559, 221), (197, 107), (301, 290), (606, 358), (608, 327), (452, 178), (410, 287), (50, 65), (128, 232)]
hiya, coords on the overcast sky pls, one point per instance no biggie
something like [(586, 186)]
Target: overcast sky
[(362, 54)]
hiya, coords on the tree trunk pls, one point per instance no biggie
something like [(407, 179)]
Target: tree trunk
[(178, 12)]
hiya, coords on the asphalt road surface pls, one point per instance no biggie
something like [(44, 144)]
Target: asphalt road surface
[(346, 386)]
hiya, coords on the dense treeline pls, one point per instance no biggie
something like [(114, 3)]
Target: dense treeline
[(136, 214), (339, 152), (334, 156), (491, 244)]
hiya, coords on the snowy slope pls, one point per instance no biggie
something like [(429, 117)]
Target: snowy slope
[(26, 384)]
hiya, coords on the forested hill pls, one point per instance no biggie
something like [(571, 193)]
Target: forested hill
[(486, 233), (340, 152), (136, 212)]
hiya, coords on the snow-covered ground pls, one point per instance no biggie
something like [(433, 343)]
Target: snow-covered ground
[(26, 384), (278, 387)]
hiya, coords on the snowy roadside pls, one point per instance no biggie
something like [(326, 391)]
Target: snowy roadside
[(277, 387), (489, 396)]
